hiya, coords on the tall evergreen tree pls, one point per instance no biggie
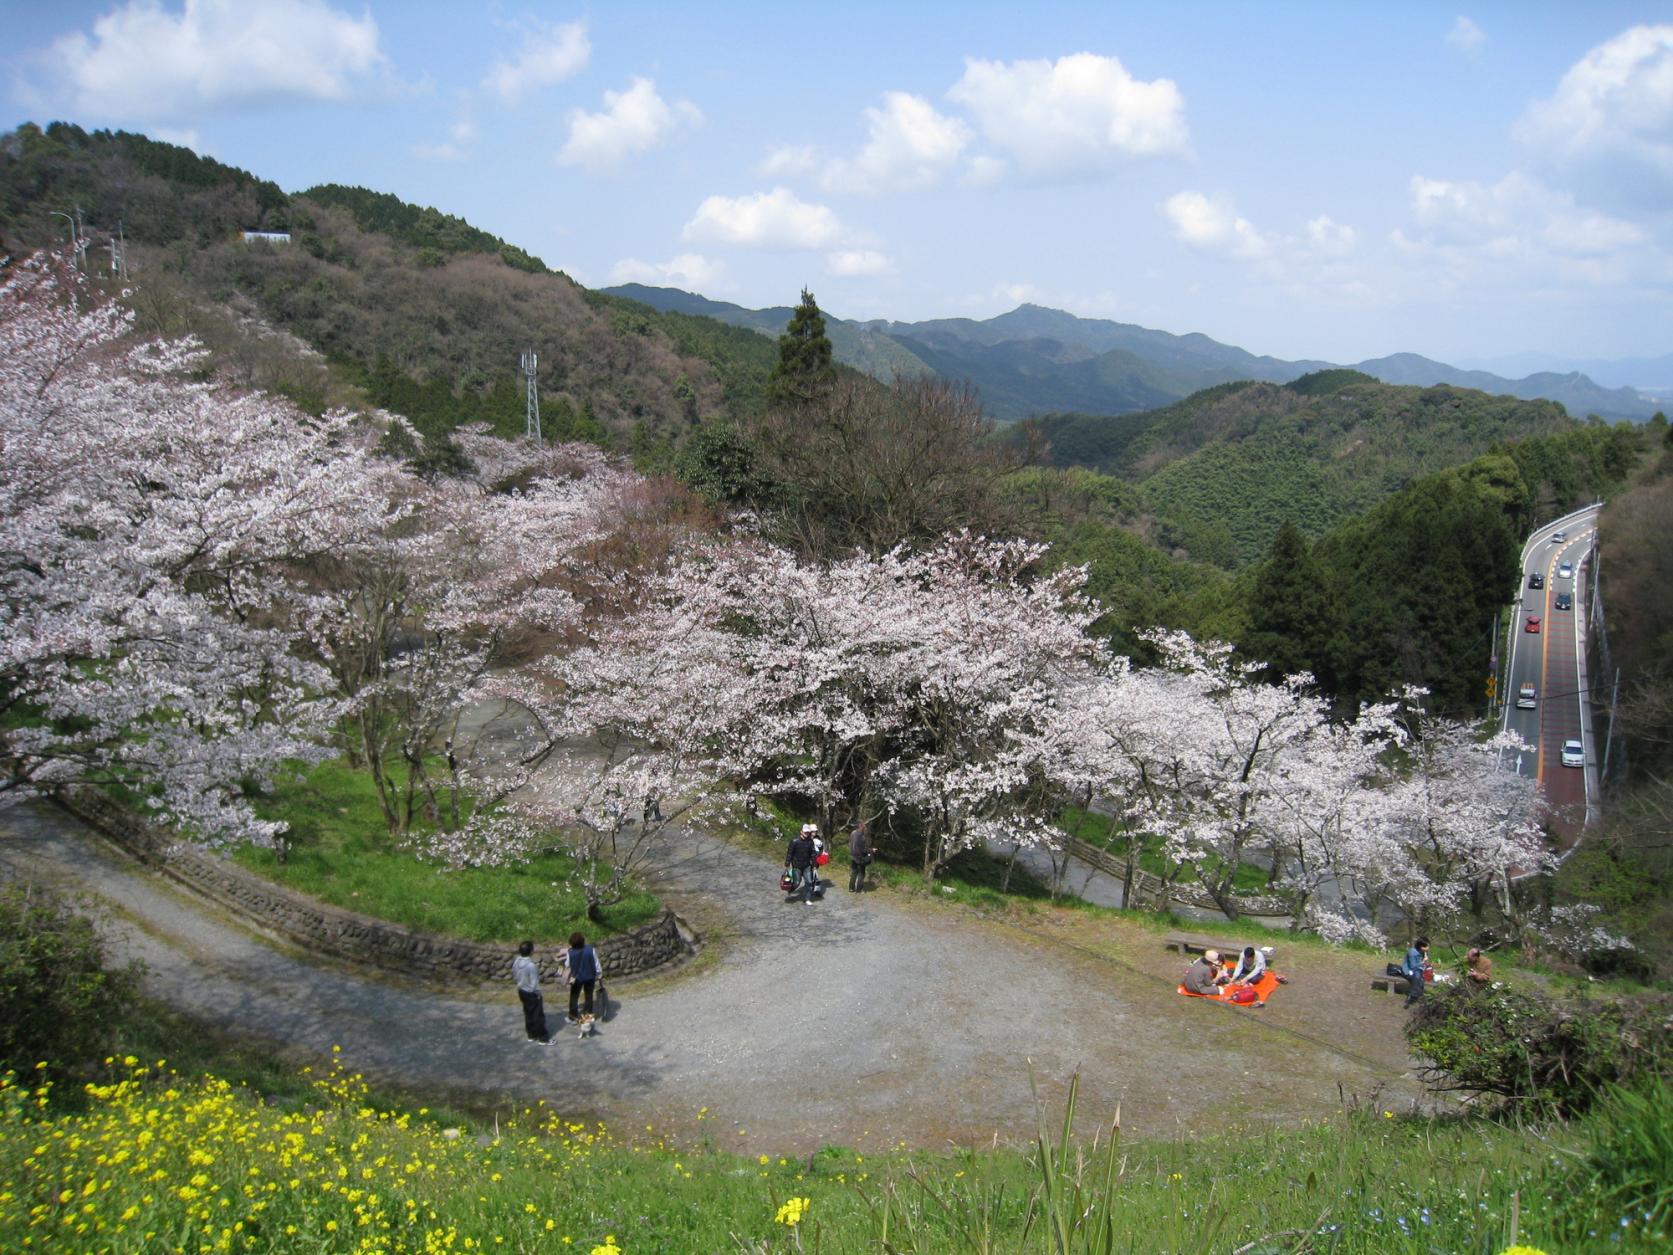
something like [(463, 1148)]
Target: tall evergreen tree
[(1293, 614), (805, 373)]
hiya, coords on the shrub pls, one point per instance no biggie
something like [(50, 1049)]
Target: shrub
[(1522, 1047), (55, 985)]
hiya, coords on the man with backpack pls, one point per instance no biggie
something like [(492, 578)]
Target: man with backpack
[(799, 859)]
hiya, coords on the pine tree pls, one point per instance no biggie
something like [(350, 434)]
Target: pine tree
[(1293, 615), (804, 374)]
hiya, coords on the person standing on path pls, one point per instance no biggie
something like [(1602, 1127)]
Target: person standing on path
[(1415, 970), (584, 971), (799, 859), (860, 854), (528, 992)]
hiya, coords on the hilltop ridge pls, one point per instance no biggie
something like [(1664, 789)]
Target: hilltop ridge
[(1036, 360)]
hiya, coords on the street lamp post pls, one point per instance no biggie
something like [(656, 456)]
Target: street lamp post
[(75, 236)]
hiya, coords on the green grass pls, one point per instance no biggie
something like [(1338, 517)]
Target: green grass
[(216, 1165), (341, 853)]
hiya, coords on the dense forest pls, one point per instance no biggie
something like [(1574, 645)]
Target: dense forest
[(1228, 466)]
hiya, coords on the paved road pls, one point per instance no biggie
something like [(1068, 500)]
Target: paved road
[(859, 1021), (1553, 661)]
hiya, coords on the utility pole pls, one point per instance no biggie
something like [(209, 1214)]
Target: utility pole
[(531, 428)]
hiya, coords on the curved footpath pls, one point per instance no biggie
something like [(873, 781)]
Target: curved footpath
[(861, 1021)]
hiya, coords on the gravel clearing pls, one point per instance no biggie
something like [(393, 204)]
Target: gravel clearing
[(864, 1020)]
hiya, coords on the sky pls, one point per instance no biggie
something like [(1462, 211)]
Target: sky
[(1326, 180)]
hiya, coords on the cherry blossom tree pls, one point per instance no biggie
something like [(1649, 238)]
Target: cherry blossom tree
[(1458, 820), (147, 518), (925, 683), (411, 621)]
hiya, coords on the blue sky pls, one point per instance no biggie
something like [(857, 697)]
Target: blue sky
[(1308, 180)]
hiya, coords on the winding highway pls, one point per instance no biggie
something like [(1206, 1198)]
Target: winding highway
[(1546, 698)]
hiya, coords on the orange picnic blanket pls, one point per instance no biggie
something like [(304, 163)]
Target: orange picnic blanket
[(1263, 989)]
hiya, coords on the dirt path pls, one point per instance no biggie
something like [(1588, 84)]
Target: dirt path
[(862, 1020)]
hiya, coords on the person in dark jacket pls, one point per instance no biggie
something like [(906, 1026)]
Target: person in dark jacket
[(799, 859), (584, 971), (860, 854)]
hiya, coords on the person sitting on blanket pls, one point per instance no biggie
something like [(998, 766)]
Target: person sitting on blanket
[(1204, 976), (1251, 966)]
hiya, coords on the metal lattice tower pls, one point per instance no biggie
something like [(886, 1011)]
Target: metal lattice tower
[(532, 426)]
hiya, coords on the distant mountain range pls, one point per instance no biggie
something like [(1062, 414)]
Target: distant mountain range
[(1035, 360), (1653, 375)]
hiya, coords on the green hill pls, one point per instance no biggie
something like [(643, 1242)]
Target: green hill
[(393, 304), (1229, 465)]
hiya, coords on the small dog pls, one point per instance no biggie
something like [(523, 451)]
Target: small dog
[(585, 1026)]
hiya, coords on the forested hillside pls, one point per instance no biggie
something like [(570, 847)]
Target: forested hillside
[(1228, 466), (409, 307)]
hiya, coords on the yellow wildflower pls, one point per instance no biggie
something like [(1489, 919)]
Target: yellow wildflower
[(792, 1212)]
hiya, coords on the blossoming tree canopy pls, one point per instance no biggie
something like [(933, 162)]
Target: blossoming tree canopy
[(148, 520)]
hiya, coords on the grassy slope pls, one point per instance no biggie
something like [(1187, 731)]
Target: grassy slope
[(153, 1161), (343, 855)]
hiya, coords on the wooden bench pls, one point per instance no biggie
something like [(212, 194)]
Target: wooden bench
[(1195, 943)]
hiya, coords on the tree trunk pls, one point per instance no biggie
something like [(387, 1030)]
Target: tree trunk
[(1010, 863)]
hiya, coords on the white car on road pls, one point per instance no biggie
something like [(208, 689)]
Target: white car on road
[(1574, 754)]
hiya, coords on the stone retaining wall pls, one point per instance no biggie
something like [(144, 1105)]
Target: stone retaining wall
[(344, 934)]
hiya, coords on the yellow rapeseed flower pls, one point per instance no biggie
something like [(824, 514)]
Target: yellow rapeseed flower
[(792, 1212)]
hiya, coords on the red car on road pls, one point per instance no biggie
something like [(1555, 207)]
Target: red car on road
[(1533, 623)]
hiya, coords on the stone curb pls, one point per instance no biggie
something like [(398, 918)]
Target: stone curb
[(315, 926)]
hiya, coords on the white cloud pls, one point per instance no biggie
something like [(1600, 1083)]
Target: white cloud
[(1072, 119), (632, 121), (691, 271), (788, 159), (460, 136), (767, 220), (143, 64), (1213, 226), (984, 171), (1609, 124), (1516, 215), (858, 261), (1330, 238), (1465, 35), (908, 146), (548, 56)]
